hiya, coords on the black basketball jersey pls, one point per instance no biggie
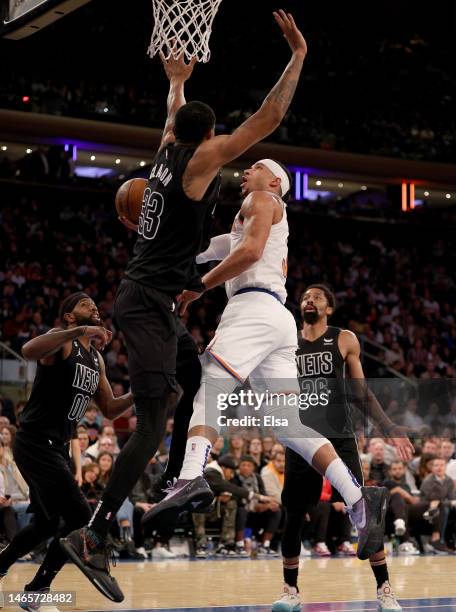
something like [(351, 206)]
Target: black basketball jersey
[(60, 395), (171, 225), (321, 374)]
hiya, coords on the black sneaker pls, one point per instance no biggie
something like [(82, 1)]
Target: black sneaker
[(368, 516), (184, 496), (93, 563)]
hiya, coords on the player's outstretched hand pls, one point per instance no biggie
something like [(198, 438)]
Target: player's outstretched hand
[(128, 224), (398, 437), (186, 298), (291, 32), (176, 66), (99, 335)]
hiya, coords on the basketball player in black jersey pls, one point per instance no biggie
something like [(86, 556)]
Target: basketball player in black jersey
[(183, 184), (325, 354), (70, 373)]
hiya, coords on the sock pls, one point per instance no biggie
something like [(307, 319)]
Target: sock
[(380, 570), (266, 544), (290, 572), (42, 580), (343, 480), (196, 454)]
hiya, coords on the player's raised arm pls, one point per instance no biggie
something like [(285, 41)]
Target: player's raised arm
[(177, 72), (222, 149)]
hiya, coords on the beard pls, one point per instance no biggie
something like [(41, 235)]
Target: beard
[(80, 321), (310, 317)]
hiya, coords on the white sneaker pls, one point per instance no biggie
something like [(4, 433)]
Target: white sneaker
[(289, 600), (305, 552), (399, 527), (160, 553), (142, 552), (386, 599), (407, 548)]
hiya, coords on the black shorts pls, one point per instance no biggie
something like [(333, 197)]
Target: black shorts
[(303, 484), (46, 469), (147, 319)]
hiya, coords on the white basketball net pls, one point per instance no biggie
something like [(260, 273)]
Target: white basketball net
[(184, 24)]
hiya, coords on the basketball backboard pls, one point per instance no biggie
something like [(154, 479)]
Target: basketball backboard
[(21, 18)]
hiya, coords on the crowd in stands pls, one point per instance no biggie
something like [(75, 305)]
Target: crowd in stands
[(389, 93)]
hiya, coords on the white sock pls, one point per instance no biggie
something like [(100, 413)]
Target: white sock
[(196, 454), (343, 480)]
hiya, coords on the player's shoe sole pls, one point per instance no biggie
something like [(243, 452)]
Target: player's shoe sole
[(283, 606), (188, 496), (370, 537), (94, 566)]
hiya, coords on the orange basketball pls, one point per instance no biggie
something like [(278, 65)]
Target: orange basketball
[(129, 199)]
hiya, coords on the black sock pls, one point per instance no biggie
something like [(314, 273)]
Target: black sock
[(42, 580), (290, 576), (380, 570), (132, 461)]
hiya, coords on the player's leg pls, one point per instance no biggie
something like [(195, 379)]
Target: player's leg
[(301, 490), (347, 449), (147, 320), (246, 334), (277, 373), (72, 507)]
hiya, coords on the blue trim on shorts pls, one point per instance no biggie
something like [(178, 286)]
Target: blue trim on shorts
[(260, 290)]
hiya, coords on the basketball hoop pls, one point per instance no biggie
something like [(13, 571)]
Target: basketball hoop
[(185, 25)]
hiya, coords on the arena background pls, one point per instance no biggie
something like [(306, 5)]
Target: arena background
[(371, 142)]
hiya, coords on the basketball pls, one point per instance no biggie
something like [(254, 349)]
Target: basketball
[(129, 199)]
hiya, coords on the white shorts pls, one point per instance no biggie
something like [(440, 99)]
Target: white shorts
[(256, 339)]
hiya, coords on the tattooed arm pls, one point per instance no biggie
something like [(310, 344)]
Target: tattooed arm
[(215, 152)]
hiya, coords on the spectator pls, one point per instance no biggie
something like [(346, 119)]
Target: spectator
[(378, 468), (236, 447), (268, 443), (91, 487), (424, 468), (8, 434), (260, 513), (410, 418), (319, 521), (83, 438), (400, 499), (256, 452), (219, 474), (273, 475), (438, 489), (9, 516)]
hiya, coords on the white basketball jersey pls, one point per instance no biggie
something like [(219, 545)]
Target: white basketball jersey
[(270, 272)]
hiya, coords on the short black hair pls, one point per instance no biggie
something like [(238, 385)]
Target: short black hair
[(193, 121), (329, 295), (286, 195)]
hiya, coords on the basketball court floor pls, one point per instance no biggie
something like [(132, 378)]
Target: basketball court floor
[(342, 585)]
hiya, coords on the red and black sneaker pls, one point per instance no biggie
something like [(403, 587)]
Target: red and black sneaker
[(93, 561)]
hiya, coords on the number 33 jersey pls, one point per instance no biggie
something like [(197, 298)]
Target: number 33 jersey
[(60, 395), (324, 404), (171, 225)]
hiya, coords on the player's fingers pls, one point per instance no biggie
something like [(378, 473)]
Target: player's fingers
[(183, 308)]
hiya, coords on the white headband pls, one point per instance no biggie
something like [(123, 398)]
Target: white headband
[(278, 172)]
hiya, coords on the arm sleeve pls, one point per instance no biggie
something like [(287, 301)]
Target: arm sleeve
[(218, 249)]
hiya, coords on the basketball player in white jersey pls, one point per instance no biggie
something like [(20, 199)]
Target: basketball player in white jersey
[(257, 339)]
